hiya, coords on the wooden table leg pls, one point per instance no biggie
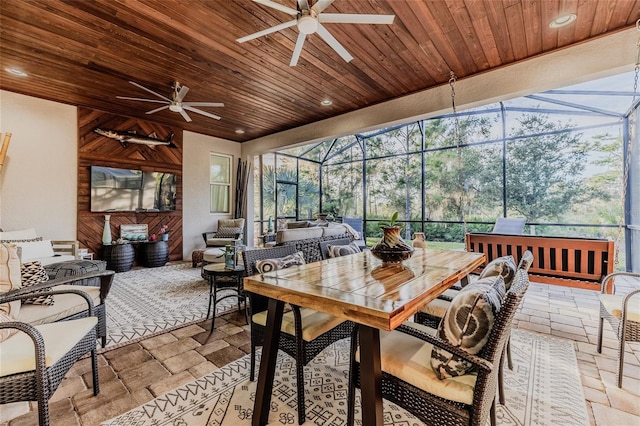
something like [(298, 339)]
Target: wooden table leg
[(268, 363), (370, 376)]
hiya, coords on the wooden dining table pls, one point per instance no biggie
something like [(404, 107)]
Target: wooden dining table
[(362, 289)]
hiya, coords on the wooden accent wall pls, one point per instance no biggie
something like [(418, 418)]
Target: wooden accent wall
[(97, 150)]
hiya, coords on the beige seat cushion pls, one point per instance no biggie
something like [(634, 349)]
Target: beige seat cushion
[(409, 359), (437, 307), (314, 323), (613, 304), (17, 353), (285, 235), (63, 306), (213, 255)]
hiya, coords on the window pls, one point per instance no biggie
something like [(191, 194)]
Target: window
[(220, 182)]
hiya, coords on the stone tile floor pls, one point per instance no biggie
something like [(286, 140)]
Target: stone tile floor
[(136, 373)]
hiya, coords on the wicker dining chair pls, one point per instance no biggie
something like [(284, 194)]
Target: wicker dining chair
[(433, 407), (622, 311), (431, 314), (34, 361), (301, 342)]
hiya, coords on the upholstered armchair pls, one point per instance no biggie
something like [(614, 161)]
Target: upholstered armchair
[(229, 231)]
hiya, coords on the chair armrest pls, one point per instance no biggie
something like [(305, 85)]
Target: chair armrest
[(436, 341), (207, 235), (611, 289), (106, 278), (66, 247), (11, 297)]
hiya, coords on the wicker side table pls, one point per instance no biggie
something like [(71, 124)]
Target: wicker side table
[(119, 257)]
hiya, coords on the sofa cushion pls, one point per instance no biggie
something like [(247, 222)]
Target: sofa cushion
[(301, 224), (33, 273), (17, 353), (268, 265), (9, 277), (467, 325), (505, 266), (286, 235), (28, 234), (343, 250), (66, 305), (333, 230), (32, 250)]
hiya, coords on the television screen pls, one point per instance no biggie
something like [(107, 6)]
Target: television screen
[(115, 190)]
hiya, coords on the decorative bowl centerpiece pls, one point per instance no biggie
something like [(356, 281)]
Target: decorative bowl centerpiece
[(392, 248)]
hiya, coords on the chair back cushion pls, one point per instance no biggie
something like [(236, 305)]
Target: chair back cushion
[(467, 324), (505, 266), (231, 223), (267, 265), (9, 277)]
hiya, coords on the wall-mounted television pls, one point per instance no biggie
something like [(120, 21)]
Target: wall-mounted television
[(126, 190)]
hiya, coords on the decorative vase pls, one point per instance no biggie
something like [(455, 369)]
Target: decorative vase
[(321, 219), (418, 240), (392, 248), (106, 232)]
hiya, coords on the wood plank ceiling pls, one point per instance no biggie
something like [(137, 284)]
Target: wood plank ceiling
[(85, 52)]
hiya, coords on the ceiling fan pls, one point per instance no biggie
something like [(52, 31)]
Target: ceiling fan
[(176, 104), (309, 20)]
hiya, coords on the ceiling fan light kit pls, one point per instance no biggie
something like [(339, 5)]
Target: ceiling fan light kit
[(309, 21), (175, 104)]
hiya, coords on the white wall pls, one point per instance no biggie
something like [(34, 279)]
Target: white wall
[(196, 216), (38, 182)]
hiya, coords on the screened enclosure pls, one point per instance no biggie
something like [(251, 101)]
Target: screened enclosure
[(556, 158)]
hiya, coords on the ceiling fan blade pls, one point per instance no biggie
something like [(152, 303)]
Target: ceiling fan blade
[(297, 49), (184, 115), (182, 93), (321, 5), (303, 4), (157, 109), (335, 44), (199, 111), (150, 91), (203, 104), (277, 6), (141, 100), (267, 31), (355, 18)]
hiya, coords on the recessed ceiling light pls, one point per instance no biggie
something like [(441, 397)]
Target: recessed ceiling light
[(15, 71), (325, 102), (240, 131), (563, 20)]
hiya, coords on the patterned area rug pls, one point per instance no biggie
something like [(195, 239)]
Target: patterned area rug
[(543, 389), (147, 301)]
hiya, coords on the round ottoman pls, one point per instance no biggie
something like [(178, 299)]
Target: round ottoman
[(213, 255)]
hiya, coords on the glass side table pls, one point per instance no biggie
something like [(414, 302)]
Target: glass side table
[(227, 281)]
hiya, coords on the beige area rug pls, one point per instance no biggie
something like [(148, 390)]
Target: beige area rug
[(543, 389), (147, 301)]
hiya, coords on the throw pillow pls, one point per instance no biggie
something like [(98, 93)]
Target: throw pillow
[(34, 273), (35, 249), (269, 265), (344, 250), (227, 232), (5, 333), (20, 235), (467, 325), (9, 277), (505, 266)]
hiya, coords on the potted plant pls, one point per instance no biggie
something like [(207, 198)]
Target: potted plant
[(392, 248), (164, 230)]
